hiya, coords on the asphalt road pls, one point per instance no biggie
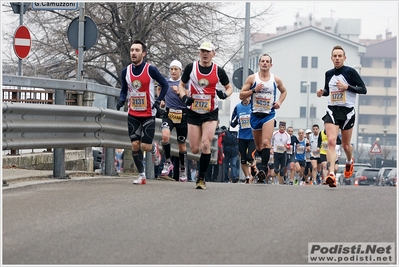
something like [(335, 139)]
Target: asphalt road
[(112, 221)]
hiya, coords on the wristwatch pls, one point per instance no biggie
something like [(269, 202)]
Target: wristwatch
[(253, 91)]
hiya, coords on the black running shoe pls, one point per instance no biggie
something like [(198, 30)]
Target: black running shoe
[(261, 177)]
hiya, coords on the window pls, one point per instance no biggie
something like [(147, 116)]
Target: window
[(388, 64), (312, 112), (387, 82), (314, 62), (367, 81), (302, 112), (364, 119), (386, 121), (366, 62), (386, 102), (313, 87), (304, 87), (304, 62)]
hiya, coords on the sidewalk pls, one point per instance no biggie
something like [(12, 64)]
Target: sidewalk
[(14, 176), (9, 174)]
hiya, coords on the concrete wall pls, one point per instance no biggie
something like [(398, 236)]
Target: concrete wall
[(74, 160)]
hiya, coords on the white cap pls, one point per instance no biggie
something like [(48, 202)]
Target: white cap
[(308, 131), (176, 63), (207, 46)]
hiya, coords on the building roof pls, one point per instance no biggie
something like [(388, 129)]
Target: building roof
[(383, 49), (312, 28)]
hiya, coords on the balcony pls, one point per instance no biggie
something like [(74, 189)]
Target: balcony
[(381, 91), (377, 110), (378, 72)]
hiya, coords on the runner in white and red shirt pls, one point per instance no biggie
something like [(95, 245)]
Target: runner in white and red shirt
[(202, 116), (281, 142)]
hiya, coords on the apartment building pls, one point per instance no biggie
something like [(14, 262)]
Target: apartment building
[(301, 56)]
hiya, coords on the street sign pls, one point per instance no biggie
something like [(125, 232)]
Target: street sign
[(16, 7), (22, 42), (237, 77), (375, 149), (54, 6), (90, 33)]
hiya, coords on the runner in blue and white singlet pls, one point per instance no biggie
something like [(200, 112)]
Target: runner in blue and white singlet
[(262, 87)]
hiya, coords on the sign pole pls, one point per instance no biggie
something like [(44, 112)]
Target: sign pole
[(81, 34), (21, 22), (246, 43)]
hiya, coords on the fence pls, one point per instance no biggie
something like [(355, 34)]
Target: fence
[(29, 126)]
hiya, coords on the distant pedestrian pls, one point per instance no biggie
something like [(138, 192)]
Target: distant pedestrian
[(230, 151), (246, 146), (281, 141)]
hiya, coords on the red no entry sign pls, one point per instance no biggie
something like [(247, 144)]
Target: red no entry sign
[(22, 42)]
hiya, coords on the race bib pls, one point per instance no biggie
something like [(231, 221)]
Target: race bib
[(300, 149), (175, 115), (280, 149), (202, 103), (338, 97), (316, 153), (138, 101), (245, 121), (290, 150), (263, 102), (324, 145)]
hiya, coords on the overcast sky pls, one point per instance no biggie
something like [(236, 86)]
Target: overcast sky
[(376, 16)]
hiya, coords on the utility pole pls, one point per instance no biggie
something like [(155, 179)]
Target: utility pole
[(247, 37)]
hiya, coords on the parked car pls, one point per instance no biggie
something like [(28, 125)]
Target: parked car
[(97, 159), (366, 176), (382, 174), (356, 167), (392, 178)]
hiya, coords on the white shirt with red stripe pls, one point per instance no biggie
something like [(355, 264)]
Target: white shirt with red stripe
[(280, 140)]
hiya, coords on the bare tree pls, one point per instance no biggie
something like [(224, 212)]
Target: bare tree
[(385, 151), (171, 30)]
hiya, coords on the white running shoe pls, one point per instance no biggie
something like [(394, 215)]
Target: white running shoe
[(156, 157), (182, 175), (167, 167), (141, 179)]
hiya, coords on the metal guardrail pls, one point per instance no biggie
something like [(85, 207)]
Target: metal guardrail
[(29, 126)]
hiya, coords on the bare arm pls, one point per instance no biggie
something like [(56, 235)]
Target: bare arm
[(229, 89), (283, 93), (245, 91)]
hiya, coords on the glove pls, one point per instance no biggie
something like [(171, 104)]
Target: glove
[(187, 100), (221, 94), (120, 104), (157, 106), (234, 122)]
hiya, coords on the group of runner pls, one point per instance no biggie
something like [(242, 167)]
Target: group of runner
[(190, 97)]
